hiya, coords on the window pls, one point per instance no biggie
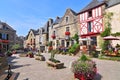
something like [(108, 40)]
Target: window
[(53, 32), (84, 42), (94, 40), (72, 42), (90, 13), (4, 27), (62, 43), (67, 28), (0, 36), (89, 26), (7, 37), (4, 36), (66, 19)]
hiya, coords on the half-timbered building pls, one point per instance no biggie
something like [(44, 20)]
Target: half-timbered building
[(91, 22)]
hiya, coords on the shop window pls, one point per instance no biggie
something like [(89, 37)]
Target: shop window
[(94, 41)]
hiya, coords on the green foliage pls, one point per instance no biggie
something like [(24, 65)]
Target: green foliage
[(116, 34), (30, 52), (105, 44), (53, 52), (8, 53), (16, 46), (94, 54), (50, 43), (84, 58), (110, 58), (74, 48), (76, 38), (54, 60), (106, 32), (86, 68)]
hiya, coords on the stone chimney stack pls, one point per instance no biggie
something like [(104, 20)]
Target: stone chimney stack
[(50, 21)]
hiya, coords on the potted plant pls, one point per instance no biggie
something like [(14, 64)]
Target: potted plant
[(8, 53), (30, 54), (84, 68), (40, 57), (54, 62)]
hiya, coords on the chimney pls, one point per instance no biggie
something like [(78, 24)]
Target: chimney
[(57, 17), (50, 21)]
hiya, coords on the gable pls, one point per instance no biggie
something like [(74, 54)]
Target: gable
[(71, 15)]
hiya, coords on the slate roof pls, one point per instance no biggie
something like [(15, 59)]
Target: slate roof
[(6, 25), (57, 21), (92, 4), (72, 11), (45, 28), (113, 2), (35, 32)]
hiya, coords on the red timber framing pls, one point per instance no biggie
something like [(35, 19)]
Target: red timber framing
[(96, 21)]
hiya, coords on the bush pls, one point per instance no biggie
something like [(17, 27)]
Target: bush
[(8, 53), (84, 58), (74, 48)]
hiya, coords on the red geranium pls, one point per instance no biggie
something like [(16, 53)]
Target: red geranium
[(67, 33)]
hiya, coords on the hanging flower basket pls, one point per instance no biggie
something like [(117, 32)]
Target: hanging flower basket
[(67, 33), (53, 36)]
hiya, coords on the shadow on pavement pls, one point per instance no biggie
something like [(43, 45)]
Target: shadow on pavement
[(18, 66), (98, 77), (10, 59)]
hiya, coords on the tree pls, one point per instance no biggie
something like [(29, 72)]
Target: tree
[(16, 46)]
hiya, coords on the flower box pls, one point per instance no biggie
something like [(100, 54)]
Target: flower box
[(67, 33), (53, 36)]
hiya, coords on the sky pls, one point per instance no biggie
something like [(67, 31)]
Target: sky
[(23, 15)]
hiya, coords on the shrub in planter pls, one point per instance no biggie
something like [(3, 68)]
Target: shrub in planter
[(8, 53), (53, 62), (84, 68), (30, 54), (39, 57)]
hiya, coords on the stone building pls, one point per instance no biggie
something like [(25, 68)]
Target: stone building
[(114, 7), (63, 29), (32, 40), (44, 35), (7, 36)]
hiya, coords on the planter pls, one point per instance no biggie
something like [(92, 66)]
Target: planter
[(53, 36), (30, 55), (67, 33), (55, 65), (41, 57), (87, 76)]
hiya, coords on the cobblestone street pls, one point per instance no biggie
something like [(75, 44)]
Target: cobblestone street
[(31, 69)]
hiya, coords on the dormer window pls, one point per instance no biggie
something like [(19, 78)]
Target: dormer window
[(66, 19), (90, 13)]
